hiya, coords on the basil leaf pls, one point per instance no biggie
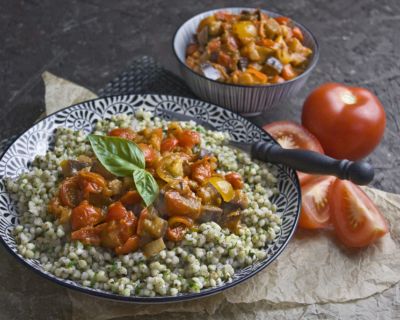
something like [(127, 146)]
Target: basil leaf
[(119, 156), (146, 185)]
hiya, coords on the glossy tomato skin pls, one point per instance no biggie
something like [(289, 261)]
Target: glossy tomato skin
[(291, 135), (349, 122), (357, 221)]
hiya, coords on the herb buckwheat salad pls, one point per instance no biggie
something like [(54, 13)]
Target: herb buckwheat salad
[(145, 207)]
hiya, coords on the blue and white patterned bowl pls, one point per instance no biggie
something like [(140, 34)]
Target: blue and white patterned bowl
[(246, 100), (83, 116)]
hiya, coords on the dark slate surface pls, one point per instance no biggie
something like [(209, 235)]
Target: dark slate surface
[(92, 41)]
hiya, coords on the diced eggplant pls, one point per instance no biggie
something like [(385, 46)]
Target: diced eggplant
[(214, 56), (99, 200), (210, 213), (239, 201), (247, 15), (243, 63), (155, 227), (231, 221), (176, 204), (71, 167), (202, 36), (272, 66), (136, 208), (215, 28), (115, 186), (209, 195), (159, 204), (97, 167), (258, 14), (210, 71), (154, 247)]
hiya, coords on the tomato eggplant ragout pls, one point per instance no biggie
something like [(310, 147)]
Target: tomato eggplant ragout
[(105, 210), (249, 48), (145, 207)]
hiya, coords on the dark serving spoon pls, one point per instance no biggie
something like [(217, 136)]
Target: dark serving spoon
[(359, 172)]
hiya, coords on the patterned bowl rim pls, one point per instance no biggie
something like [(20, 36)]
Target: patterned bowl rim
[(157, 299), (308, 70)]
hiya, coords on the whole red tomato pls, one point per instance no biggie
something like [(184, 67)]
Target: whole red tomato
[(348, 121)]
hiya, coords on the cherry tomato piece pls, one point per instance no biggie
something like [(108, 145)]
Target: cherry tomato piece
[(69, 193), (91, 182), (201, 170), (150, 155), (349, 122), (156, 138), (176, 234), (124, 133), (85, 215), (315, 208), (188, 138), (130, 245), (117, 232), (180, 220), (87, 235), (357, 221), (235, 179), (116, 211), (168, 144)]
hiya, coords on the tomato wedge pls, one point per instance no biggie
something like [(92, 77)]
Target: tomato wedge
[(315, 208), (290, 135), (357, 221)]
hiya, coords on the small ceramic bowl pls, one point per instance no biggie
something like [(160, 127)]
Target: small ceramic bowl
[(247, 100)]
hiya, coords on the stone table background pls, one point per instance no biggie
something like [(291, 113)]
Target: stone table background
[(91, 41)]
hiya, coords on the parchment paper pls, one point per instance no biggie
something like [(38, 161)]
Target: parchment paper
[(60, 93), (314, 278)]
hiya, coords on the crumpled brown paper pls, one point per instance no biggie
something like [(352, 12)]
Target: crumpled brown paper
[(315, 277)]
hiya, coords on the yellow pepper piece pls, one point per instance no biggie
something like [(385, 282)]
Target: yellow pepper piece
[(223, 187), (245, 30)]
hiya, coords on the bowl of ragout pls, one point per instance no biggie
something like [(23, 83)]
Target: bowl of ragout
[(244, 59), (113, 198)]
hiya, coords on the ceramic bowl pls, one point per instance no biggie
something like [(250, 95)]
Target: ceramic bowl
[(246, 100)]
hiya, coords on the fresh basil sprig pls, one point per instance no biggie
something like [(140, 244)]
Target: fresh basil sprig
[(124, 158), (146, 185)]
